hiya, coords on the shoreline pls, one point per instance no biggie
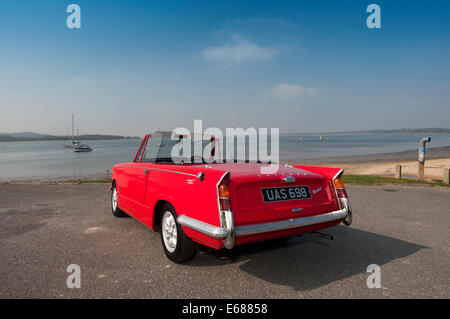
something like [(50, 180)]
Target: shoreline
[(434, 168), (381, 164), (59, 179), (59, 139), (410, 155)]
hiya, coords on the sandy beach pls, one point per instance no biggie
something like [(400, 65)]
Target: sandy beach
[(383, 164), (433, 168)]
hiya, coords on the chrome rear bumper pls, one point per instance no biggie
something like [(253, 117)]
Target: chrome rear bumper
[(228, 232), (290, 223), (202, 227)]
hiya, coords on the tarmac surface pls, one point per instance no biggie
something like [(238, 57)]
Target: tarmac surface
[(44, 228)]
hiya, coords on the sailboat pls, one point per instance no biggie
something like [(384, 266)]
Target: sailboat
[(81, 147), (71, 145)]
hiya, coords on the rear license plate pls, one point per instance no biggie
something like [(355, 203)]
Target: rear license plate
[(278, 194)]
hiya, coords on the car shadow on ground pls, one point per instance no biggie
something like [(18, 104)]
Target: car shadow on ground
[(309, 262)]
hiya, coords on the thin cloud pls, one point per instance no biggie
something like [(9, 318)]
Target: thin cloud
[(240, 50), (287, 91), (278, 24)]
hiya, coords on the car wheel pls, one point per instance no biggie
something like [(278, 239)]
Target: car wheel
[(115, 203), (177, 246)]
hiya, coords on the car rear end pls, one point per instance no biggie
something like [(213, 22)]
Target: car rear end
[(256, 207)]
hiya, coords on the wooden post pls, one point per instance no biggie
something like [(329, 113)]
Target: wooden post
[(421, 170), (446, 178), (398, 171)]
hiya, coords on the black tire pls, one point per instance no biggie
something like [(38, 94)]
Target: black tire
[(115, 208), (184, 249)]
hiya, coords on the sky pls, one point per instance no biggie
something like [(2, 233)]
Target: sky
[(300, 66)]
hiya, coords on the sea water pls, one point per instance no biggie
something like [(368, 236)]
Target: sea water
[(49, 159)]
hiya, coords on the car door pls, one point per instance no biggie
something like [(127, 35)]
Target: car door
[(133, 192), (133, 182)]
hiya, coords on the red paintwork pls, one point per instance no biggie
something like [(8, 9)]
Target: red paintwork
[(140, 192)]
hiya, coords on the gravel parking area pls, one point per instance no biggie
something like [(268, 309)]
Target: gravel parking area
[(44, 228)]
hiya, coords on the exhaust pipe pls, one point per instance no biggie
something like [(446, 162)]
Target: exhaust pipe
[(322, 235)]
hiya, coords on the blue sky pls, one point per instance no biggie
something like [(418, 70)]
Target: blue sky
[(302, 66)]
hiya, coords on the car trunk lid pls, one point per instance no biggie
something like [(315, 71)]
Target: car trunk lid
[(312, 193)]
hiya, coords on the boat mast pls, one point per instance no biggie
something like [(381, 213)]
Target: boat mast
[(73, 139)]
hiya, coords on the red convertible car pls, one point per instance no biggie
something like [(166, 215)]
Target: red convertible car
[(222, 205)]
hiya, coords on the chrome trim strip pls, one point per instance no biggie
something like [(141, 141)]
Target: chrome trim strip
[(158, 169), (202, 227), (339, 173), (290, 223), (166, 170)]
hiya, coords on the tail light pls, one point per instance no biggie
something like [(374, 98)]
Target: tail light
[(343, 198), (225, 214), (341, 193), (340, 189), (224, 194)]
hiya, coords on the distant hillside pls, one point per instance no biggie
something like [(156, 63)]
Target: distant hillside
[(28, 135), (31, 136), (407, 130), (392, 131)]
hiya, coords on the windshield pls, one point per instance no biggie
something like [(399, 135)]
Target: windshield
[(161, 148), (160, 145)]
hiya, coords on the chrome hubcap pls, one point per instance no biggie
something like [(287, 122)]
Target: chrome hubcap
[(114, 199), (169, 231)]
